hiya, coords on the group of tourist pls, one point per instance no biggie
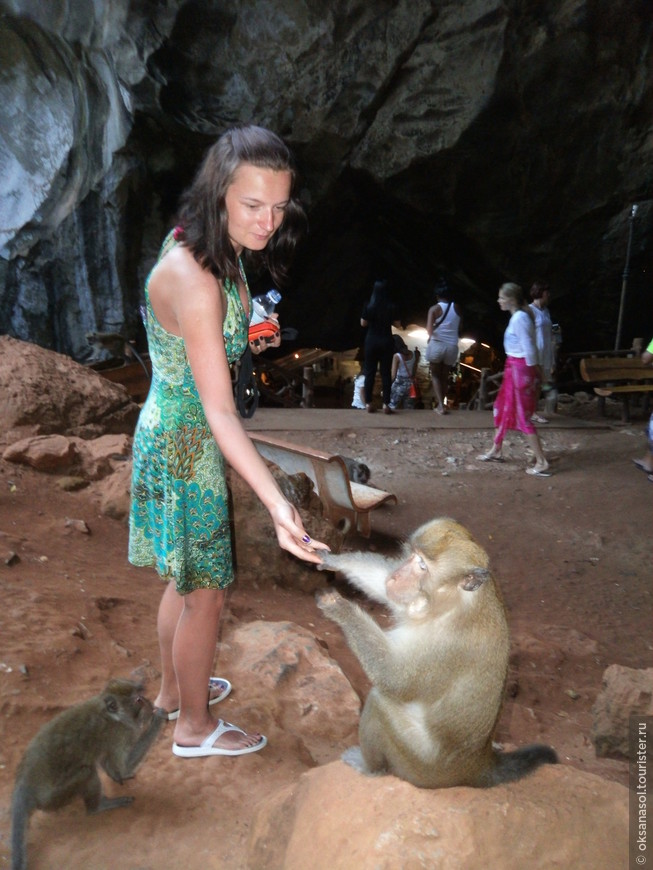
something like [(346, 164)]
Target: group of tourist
[(528, 343)]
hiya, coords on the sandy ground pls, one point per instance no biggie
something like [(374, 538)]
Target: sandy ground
[(572, 554)]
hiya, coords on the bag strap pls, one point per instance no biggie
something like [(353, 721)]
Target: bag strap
[(441, 319)]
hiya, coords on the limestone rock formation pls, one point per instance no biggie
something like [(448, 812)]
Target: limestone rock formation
[(257, 550), (43, 392), (295, 685), (626, 692), (484, 140), (337, 819), (90, 459)]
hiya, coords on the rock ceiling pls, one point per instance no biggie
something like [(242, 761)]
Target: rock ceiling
[(485, 141)]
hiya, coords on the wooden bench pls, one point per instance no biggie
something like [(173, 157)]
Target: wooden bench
[(624, 376), (345, 503)]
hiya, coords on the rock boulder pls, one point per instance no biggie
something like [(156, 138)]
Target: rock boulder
[(625, 692), (336, 819), (43, 392)]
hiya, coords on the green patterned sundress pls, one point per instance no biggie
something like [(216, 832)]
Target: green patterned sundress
[(179, 518)]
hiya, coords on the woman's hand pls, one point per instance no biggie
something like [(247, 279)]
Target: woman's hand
[(263, 342), (292, 535)]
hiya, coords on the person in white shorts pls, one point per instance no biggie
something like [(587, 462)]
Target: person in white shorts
[(443, 327)]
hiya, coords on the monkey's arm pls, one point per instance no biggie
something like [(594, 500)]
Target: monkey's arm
[(122, 765), (364, 636), (147, 738), (367, 571)]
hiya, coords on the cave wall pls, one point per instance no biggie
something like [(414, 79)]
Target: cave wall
[(486, 141)]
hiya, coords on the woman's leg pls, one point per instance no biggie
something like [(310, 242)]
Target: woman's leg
[(170, 610), (386, 374), (369, 369), (188, 631), (439, 377), (501, 412), (193, 652), (541, 463), (495, 451)]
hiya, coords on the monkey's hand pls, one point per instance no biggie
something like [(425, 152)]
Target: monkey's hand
[(329, 601), (328, 560)]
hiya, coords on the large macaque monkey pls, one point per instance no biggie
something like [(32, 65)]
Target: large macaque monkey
[(438, 676), (113, 730)]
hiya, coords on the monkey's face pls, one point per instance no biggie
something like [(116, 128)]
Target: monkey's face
[(124, 701), (360, 473), (408, 584), (443, 566)]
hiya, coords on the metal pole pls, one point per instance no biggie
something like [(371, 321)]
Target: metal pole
[(307, 387), (624, 280)]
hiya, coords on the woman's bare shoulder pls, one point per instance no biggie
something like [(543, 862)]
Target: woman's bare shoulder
[(179, 268), (178, 262), (180, 288)]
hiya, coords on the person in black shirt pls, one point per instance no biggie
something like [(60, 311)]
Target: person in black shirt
[(379, 316)]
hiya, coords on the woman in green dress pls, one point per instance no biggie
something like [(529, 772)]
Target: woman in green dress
[(198, 307)]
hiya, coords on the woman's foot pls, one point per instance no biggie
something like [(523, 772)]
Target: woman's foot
[(219, 688), (387, 409), (540, 469), (440, 409), (492, 455), (223, 739), (370, 408)]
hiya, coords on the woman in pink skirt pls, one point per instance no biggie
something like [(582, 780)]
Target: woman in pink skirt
[(517, 397)]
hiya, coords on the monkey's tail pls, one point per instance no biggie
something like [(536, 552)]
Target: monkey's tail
[(510, 766), (20, 812)]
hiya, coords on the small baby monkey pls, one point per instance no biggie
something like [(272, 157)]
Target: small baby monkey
[(114, 729), (438, 676)]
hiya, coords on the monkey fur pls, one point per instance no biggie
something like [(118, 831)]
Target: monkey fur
[(357, 471), (438, 676), (115, 729)]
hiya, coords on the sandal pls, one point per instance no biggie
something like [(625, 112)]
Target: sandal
[(216, 684), (208, 747), (539, 472)]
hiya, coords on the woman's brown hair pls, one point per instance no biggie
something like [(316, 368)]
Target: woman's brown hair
[(203, 212)]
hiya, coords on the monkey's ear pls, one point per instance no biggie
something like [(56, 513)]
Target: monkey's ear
[(475, 578)]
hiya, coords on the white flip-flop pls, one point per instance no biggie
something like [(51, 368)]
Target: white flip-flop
[(207, 746), (214, 683), (536, 473)]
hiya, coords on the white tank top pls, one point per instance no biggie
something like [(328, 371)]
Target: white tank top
[(447, 330)]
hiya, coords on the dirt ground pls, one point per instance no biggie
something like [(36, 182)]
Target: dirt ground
[(572, 554)]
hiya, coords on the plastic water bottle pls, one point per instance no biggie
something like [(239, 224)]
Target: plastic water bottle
[(263, 306)]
